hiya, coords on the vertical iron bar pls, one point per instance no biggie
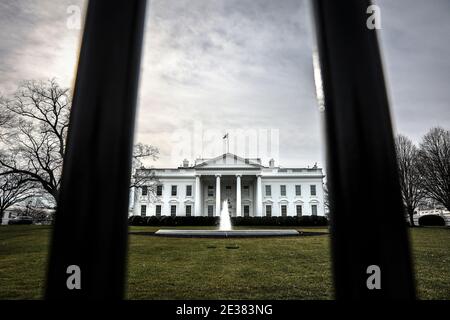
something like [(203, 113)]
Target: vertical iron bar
[(367, 219), (91, 221)]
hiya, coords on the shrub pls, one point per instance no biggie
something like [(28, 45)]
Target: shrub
[(431, 220), (280, 221), (21, 220), (136, 221), (236, 221), (40, 216)]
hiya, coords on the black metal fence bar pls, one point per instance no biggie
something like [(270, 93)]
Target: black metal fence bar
[(91, 220), (368, 224)]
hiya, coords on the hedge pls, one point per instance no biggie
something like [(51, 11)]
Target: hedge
[(280, 221), (431, 220), (235, 221), (20, 221)]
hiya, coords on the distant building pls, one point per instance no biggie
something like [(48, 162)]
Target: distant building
[(250, 188), (40, 202), (431, 208)]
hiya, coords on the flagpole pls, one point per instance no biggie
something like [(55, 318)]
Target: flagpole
[(228, 142)]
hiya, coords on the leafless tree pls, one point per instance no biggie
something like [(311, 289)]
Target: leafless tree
[(33, 130), (143, 151), (33, 141), (142, 177), (410, 179), (326, 198), (14, 188), (434, 165), (6, 119)]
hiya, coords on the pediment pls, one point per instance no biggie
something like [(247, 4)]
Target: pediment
[(228, 160)]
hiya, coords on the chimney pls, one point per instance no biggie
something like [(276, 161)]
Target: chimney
[(185, 163), (271, 163)]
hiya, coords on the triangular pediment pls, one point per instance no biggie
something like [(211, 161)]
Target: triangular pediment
[(228, 160)]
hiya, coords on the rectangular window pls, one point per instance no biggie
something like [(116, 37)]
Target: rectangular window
[(158, 210), (144, 190), (313, 190), (228, 191), (268, 211), (143, 210), (268, 191), (246, 191), (299, 210), (314, 210), (188, 210), (173, 211), (189, 191), (210, 210), (283, 210), (210, 191), (174, 191), (283, 190), (159, 190), (298, 190), (246, 211)]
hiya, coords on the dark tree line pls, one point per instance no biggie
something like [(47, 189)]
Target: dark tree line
[(434, 165), (14, 188), (425, 170)]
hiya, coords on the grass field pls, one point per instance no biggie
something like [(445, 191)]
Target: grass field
[(171, 268)]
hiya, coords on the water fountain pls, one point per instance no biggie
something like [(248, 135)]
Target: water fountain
[(225, 230), (225, 219)]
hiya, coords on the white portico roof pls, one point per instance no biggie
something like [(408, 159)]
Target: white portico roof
[(230, 164), (228, 160)]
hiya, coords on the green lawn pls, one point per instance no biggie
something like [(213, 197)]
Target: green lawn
[(264, 268)]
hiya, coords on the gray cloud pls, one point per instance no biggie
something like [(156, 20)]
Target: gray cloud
[(232, 64), (35, 42), (239, 64), (415, 39)]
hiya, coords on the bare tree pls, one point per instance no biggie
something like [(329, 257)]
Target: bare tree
[(142, 177), (6, 119), (143, 151), (33, 143), (326, 197), (14, 188), (33, 131), (410, 179), (434, 165)]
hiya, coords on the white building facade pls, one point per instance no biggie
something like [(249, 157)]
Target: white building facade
[(250, 189)]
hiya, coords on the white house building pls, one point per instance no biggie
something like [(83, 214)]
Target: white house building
[(250, 188)]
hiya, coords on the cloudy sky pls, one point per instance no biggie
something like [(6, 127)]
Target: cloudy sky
[(227, 65)]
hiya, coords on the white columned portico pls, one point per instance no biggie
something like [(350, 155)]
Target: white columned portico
[(258, 196), (217, 194), (197, 203), (238, 195)]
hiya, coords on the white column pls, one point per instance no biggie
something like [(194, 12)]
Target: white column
[(217, 194), (197, 203), (238, 195), (258, 196)]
